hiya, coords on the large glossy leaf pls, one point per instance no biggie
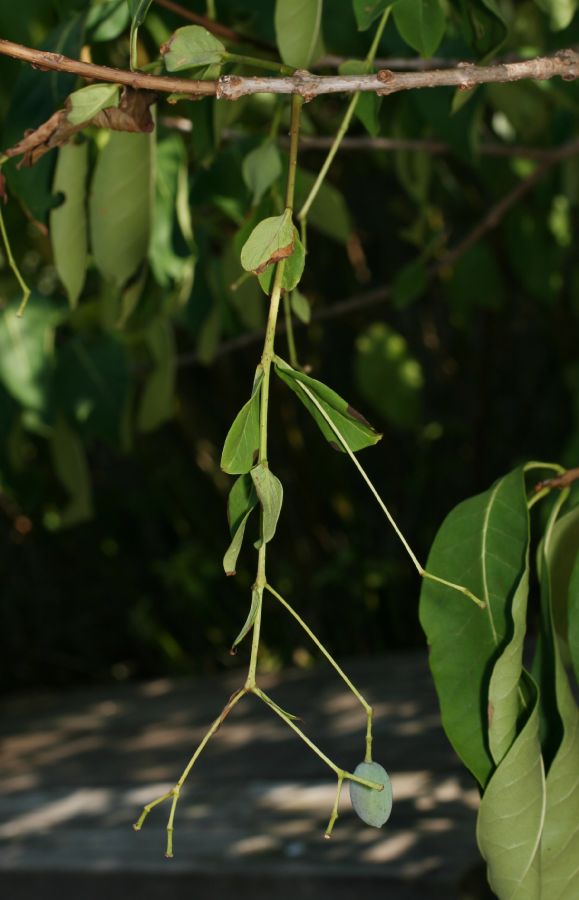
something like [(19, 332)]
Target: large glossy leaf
[(272, 239), (241, 503), (71, 466), (297, 30), (560, 844), (68, 222), (353, 427), (158, 396), (269, 490), (421, 23), (120, 205), (242, 441), (511, 815), (93, 384), (482, 544)]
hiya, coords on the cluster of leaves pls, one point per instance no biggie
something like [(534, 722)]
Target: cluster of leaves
[(516, 730)]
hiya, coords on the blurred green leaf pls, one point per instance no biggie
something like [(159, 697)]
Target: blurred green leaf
[(368, 106), (560, 12), (573, 618), (138, 10), (68, 222), (261, 168), (366, 11), (107, 20), (329, 211), (300, 307), (421, 23), (483, 25), (297, 29), (172, 249), (71, 466), (192, 46), (388, 377), (157, 401), (88, 101)]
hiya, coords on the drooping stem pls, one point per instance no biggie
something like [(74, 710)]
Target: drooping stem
[(334, 814), (15, 270), (342, 130), (343, 773), (332, 661), (419, 568)]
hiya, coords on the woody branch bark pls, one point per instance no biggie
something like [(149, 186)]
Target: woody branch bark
[(465, 76)]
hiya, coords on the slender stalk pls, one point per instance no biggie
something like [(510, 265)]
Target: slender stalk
[(334, 814), (15, 270), (339, 772), (341, 132), (333, 663), (256, 62), (419, 568)]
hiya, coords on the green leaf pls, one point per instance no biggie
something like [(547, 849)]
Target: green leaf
[(300, 307), (355, 430), (68, 222), (171, 247), (269, 490), (329, 211), (388, 377), (421, 23), (510, 817), (573, 618), (92, 381), (261, 168), (27, 351), (297, 29), (272, 239), (242, 441), (483, 26), (367, 108), (241, 503), (71, 466), (292, 270), (85, 103), (107, 20), (192, 46), (560, 11), (120, 205), (366, 11), (563, 556), (482, 544), (256, 601), (158, 397), (138, 10), (372, 806)]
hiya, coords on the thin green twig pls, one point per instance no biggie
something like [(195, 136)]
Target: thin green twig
[(334, 814), (15, 270), (332, 661)]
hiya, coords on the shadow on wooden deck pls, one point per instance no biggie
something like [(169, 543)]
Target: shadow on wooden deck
[(76, 768)]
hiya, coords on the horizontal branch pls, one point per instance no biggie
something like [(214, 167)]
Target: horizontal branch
[(464, 76)]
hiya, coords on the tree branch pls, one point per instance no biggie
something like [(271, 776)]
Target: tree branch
[(231, 87)]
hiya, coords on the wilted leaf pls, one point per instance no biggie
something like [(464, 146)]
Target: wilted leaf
[(242, 441), (372, 806), (68, 222), (269, 490), (292, 270), (297, 29), (355, 430), (192, 46), (482, 544), (272, 239)]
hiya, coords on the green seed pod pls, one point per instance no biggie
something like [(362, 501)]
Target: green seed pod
[(372, 806)]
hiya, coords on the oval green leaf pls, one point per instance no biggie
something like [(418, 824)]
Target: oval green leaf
[(192, 46), (242, 441), (297, 30), (272, 239), (372, 806), (292, 270), (260, 169), (269, 490), (421, 23)]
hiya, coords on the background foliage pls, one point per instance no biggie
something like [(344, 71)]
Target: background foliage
[(116, 396)]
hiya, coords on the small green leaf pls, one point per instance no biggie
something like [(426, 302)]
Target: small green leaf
[(355, 430), (300, 307), (260, 169), (88, 101), (269, 490), (372, 806), (292, 270), (242, 501), (71, 466), (272, 239), (107, 20), (421, 23), (256, 600), (68, 222), (192, 46), (366, 11), (297, 30), (120, 205), (242, 441)]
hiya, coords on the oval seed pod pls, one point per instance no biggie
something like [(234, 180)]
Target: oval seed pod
[(372, 806)]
